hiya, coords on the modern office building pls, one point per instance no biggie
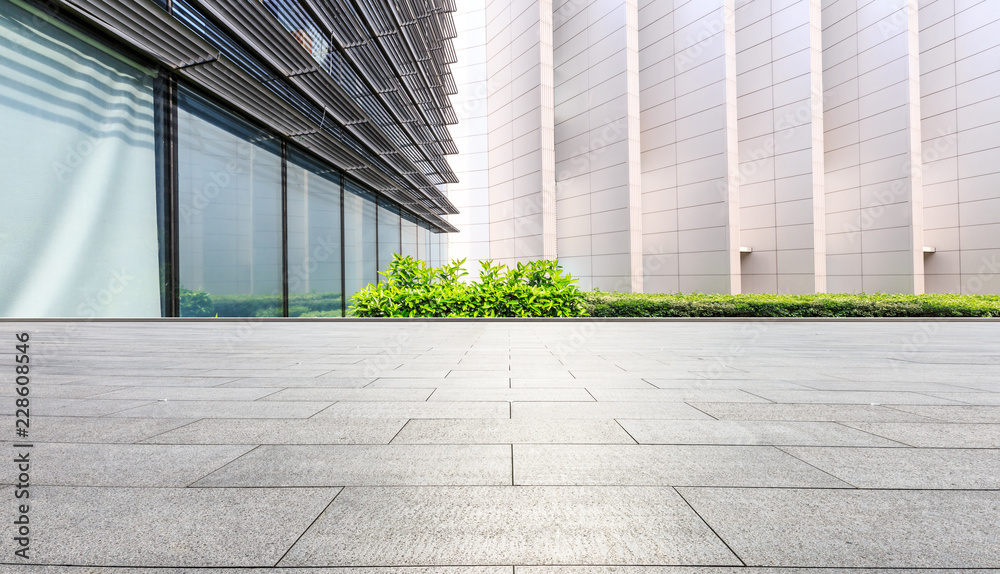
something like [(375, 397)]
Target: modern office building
[(789, 146), (218, 157)]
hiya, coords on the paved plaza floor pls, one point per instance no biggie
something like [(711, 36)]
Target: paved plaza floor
[(503, 447)]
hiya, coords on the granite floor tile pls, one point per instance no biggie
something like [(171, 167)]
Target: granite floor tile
[(128, 464), (73, 407), (366, 465), (854, 397), (936, 435), (969, 398), (609, 410), (301, 382), (95, 429), (283, 431), (168, 527), (508, 525), (393, 383), (511, 395), (706, 395), (854, 528), (353, 395), (68, 391), (906, 468), (415, 410), (954, 414), (191, 394), (808, 412), (509, 431), (225, 409), (645, 465), (581, 383), (726, 384), (750, 433)]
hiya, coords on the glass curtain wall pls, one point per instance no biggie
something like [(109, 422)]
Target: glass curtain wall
[(423, 242), (388, 234), (360, 248), (314, 262), (78, 222), (229, 203), (408, 227)]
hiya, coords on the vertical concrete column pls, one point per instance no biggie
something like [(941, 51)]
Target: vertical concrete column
[(873, 183), (519, 124), (595, 143), (634, 143), (960, 111), (471, 195), (547, 130), (689, 146), (779, 82)]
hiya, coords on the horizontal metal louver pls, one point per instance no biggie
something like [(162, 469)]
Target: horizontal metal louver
[(246, 55)]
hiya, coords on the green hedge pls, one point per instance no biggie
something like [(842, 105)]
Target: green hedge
[(824, 305), (202, 304), (412, 289)]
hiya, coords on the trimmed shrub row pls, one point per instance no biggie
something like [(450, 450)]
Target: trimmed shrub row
[(413, 289), (823, 305)]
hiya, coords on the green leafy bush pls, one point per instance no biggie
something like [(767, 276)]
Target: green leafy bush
[(195, 303), (764, 305), (413, 289)]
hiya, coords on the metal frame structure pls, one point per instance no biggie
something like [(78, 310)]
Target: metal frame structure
[(382, 124)]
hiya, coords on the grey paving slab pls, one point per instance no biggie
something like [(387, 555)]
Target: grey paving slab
[(283, 431), (94, 429), (854, 528), (508, 525), (724, 384), (67, 391), (128, 464), (225, 409), (936, 435), (43, 406), (168, 526), (954, 414), (190, 394), (890, 386), (511, 395), (609, 410), (366, 465), (677, 395), (855, 397), (297, 382), (362, 395), (509, 431), (186, 381), (808, 412), (364, 570), (415, 410), (580, 383), (394, 383), (734, 570), (981, 399), (750, 433), (271, 371), (645, 465), (907, 468)]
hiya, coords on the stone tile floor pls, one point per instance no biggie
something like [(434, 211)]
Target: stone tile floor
[(506, 447)]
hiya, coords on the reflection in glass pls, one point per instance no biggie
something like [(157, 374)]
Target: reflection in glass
[(78, 222), (314, 286), (388, 233), (360, 251), (229, 198), (409, 231)]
